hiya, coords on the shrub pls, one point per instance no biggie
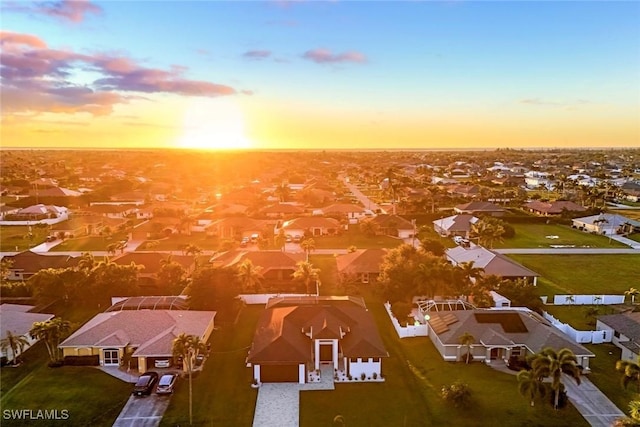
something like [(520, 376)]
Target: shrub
[(401, 310), (56, 364), (375, 376), (458, 394), (82, 360), (362, 376)]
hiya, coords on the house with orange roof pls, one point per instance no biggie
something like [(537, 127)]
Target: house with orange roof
[(364, 264), (297, 335)]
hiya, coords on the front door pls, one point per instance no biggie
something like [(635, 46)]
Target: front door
[(496, 353), (111, 357), (326, 353)]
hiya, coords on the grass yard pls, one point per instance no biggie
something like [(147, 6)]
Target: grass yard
[(179, 241), (353, 237), (534, 236), (606, 378), (90, 396), (12, 236), (222, 395), (576, 315), (415, 373), (583, 274), (629, 213), (88, 243)]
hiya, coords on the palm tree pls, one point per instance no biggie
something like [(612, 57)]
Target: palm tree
[(192, 249), (188, 347), (633, 292), (307, 274), (280, 239), (51, 332), (308, 245), (15, 343), (283, 192), (530, 386), (466, 340), (630, 373), (549, 363), (250, 276)]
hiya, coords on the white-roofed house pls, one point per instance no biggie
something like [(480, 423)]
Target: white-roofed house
[(18, 320)]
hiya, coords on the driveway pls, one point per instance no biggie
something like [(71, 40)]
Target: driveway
[(144, 411), (594, 406)]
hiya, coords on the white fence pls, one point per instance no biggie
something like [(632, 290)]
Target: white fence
[(419, 330), (263, 298), (588, 299), (581, 337), (50, 221)]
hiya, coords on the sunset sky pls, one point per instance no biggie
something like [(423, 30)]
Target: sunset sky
[(320, 75)]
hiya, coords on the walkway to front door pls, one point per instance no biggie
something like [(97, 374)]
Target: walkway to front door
[(278, 404)]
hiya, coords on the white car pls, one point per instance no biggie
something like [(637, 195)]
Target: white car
[(166, 384), (162, 363)]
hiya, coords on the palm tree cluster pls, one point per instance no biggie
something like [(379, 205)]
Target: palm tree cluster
[(551, 364), (15, 343), (51, 332), (630, 373), (488, 231)]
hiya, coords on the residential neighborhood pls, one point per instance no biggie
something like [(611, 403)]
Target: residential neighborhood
[(369, 290)]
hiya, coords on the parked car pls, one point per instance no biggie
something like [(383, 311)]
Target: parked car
[(167, 383), (244, 242), (162, 363), (145, 383)]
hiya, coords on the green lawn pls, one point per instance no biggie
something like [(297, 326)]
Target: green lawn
[(15, 236), (353, 237), (88, 243), (606, 378), (583, 274), (90, 396), (179, 241), (534, 236), (576, 315), (222, 395), (411, 396)]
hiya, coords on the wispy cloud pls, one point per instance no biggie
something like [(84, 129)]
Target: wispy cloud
[(66, 10), (36, 78), (326, 56), (567, 105), (257, 54)]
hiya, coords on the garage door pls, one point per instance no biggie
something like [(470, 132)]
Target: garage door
[(279, 373)]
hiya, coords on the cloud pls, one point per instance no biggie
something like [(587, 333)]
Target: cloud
[(555, 104), (36, 78), (9, 38), (538, 101), (325, 56), (66, 10), (257, 54)]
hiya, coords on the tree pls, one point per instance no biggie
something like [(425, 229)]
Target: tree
[(15, 343), (307, 274), (171, 279), (250, 276), (551, 364), (433, 246), (283, 192), (192, 249), (308, 245), (212, 288), (530, 386), (51, 332), (466, 340), (633, 293), (633, 420), (630, 373), (401, 310), (188, 347), (280, 239), (458, 393)]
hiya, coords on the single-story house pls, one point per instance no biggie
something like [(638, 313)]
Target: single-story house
[(277, 266), (314, 225), (138, 337), (479, 208), (163, 302), (393, 225), (362, 263), (296, 335), (492, 262), (606, 224), (7, 210), (236, 227), (279, 210), (346, 210), (39, 212), (625, 328), (498, 335), (553, 208), (18, 320), (456, 225), (27, 263)]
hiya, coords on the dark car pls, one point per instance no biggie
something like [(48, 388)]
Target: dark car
[(167, 383), (145, 383)]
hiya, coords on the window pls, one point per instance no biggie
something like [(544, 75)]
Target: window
[(111, 356), (616, 334), (376, 359), (353, 360)]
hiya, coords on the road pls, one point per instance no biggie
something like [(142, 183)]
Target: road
[(567, 251), (366, 202)]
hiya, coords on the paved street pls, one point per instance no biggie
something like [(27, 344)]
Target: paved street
[(366, 202), (567, 251)]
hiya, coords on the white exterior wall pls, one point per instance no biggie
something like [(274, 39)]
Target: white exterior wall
[(301, 374), (256, 373), (405, 234), (364, 366)]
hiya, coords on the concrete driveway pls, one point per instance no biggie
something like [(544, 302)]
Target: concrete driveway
[(146, 411), (594, 406)]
